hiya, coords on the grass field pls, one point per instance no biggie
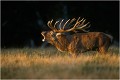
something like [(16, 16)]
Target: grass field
[(49, 63)]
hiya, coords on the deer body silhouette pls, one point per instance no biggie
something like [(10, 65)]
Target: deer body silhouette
[(78, 42)]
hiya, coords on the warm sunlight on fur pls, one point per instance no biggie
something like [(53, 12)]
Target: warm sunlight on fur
[(76, 42)]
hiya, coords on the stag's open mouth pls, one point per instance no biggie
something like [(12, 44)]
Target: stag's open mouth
[(43, 36)]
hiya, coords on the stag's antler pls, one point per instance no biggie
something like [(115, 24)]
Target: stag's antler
[(79, 25)]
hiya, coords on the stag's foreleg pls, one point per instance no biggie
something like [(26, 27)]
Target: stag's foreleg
[(73, 52), (102, 50)]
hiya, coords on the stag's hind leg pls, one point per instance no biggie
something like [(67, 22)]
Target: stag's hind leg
[(103, 49)]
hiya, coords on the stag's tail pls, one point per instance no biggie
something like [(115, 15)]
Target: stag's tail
[(111, 37)]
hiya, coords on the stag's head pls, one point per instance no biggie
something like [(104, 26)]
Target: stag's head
[(73, 25), (48, 36)]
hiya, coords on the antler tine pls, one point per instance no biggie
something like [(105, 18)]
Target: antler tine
[(60, 24), (72, 20), (87, 27), (84, 30), (49, 25), (78, 19), (55, 23), (83, 21), (81, 27), (74, 25), (65, 23), (77, 22)]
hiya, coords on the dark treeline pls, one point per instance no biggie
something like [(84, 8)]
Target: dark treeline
[(23, 21)]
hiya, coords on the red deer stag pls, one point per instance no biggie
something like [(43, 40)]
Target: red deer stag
[(78, 42)]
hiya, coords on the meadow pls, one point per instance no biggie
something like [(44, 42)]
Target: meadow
[(49, 63)]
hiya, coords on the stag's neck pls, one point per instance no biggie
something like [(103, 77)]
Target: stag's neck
[(61, 43)]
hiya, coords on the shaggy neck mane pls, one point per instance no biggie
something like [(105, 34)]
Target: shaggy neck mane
[(61, 43)]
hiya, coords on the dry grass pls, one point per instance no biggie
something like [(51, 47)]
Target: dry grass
[(51, 64)]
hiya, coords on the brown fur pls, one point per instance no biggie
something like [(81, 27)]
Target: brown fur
[(79, 42)]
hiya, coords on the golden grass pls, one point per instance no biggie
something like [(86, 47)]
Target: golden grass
[(49, 63)]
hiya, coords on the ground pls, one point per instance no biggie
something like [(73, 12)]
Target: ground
[(49, 63)]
